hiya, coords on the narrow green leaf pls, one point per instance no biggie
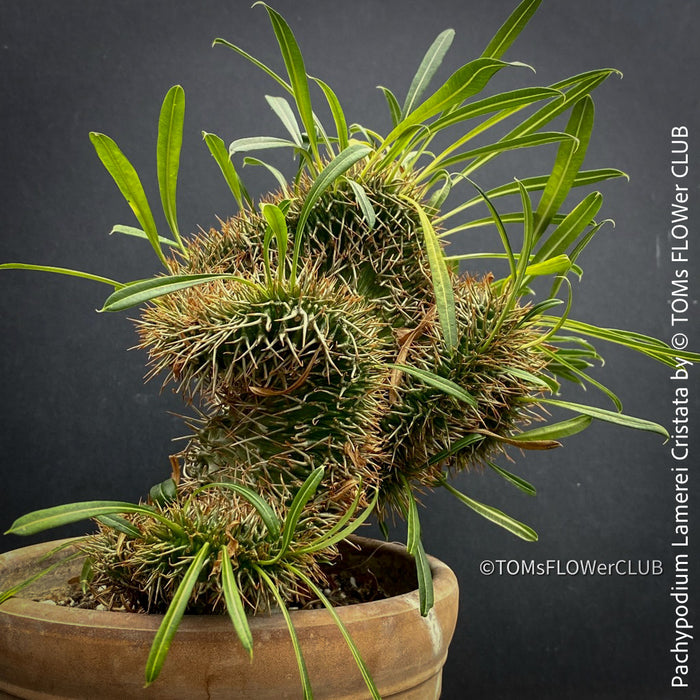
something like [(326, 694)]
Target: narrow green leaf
[(455, 447), (173, 616), (275, 218), (282, 181), (61, 271), (140, 233), (494, 515), (635, 341), (343, 630), (302, 497), (341, 126), (510, 30), (120, 524), (549, 266), (394, 108), (534, 184), (234, 603), (281, 108), (301, 664), (426, 593), (539, 308), (518, 482), (568, 161), (276, 77), (129, 185), (170, 130), (463, 83), (428, 66), (267, 514), (337, 167), (413, 534), (259, 143), (527, 376), (608, 416), (442, 284), (135, 293), (528, 141), (437, 382), (510, 102), (363, 201), (342, 529), (47, 518), (221, 155), (556, 431), (576, 87), (294, 63)]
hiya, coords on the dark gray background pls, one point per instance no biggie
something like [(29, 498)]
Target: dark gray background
[(77, 423)]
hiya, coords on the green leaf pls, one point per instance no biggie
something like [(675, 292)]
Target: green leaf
[(248, 160), (363, 200), (221, 155), (47, 518), (277, 78), (234, 603), (394, 109), (170, 129), (463, 83), (275, 218), (608, 416), (303, 672), (140, 233), (494, 515), (267, 514), (429, 65), (437, 382), (61, 271), (509, 102), (129, 185), (442, 284), (455, 447), (518, 482), (426, 594), (135, 293), (510, 30), (549, 266), (294, 63), (302, 497), (635, 341), (577, 87), (413, 534), (555, 431), (529, 141), (341, 529), (341, 126), (534, 184), (164, 492), (346, 635), (568, 161), (281, 108), (337, 167), (120, 524), (259, 143), (173, 616)]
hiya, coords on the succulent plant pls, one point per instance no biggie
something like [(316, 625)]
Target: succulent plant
[(337, 360)]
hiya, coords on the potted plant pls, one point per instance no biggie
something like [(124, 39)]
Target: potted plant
[(337, 362)]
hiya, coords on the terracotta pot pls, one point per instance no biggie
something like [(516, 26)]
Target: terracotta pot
[(49, 651)]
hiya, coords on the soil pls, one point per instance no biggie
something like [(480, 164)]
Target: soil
[(356, 578)]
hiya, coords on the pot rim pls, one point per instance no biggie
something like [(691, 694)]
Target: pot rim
[(444, 582)]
